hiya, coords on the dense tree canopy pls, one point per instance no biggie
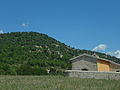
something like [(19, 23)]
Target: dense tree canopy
[(32, 53)]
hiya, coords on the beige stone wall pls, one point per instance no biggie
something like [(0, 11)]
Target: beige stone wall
[(114, 67), (93, 74), (84, 63)]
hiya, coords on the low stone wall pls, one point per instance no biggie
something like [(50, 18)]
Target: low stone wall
[(93, 74)]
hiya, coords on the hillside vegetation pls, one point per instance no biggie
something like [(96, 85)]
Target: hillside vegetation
[(32, 53)]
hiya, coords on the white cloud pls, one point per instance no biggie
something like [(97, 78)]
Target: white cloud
[(24, 25), (100, 47), (117, 53), (114, 53), (1, 31)]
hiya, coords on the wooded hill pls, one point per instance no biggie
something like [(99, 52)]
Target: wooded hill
[(32, 53)]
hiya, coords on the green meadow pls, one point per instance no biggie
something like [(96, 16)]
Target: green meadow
[(56, 83)]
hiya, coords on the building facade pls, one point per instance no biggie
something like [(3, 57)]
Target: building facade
[(87, 62)]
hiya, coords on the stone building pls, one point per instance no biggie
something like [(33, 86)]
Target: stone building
[(87, 62)]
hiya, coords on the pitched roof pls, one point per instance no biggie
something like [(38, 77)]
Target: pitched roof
[(95, 57), (109, 61), (83, 55)]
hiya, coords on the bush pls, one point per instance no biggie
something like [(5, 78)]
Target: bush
[(29, 70)]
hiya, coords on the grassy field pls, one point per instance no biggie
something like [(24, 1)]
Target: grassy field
[(55, 83)]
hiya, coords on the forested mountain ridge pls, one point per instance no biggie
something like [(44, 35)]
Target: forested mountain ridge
[(31, 53)]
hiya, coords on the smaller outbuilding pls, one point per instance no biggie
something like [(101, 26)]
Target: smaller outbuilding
[(87, 62)]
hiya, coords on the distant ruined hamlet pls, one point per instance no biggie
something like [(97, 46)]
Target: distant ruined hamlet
[(92, 66)]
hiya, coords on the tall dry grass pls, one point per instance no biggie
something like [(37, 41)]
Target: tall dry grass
[(55, 83)]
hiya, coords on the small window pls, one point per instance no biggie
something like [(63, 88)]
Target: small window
[(117, 71), (84, 69)]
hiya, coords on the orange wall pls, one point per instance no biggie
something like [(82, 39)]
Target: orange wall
[(103, 66)]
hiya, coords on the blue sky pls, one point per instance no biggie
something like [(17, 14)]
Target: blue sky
[(83, 24)]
